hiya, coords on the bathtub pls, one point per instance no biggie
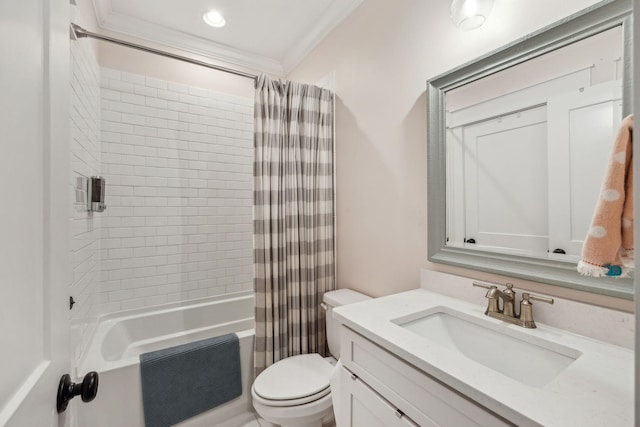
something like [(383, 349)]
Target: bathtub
[(120, 339)]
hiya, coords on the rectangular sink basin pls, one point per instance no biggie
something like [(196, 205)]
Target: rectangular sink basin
[(522, 357)]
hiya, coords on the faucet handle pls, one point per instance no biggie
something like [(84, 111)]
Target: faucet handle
[(492, 297), (482, 285), (537, 298), (526, 309)]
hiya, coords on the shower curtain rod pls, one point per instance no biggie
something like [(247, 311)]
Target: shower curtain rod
[(80, 32)]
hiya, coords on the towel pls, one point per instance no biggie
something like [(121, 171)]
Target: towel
[(183, 381), (608, 248)]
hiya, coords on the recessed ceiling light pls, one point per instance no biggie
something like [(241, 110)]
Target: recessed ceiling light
[(214, 19)]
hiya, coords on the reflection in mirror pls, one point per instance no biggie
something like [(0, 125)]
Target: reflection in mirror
[(518, 145), (527, 148)]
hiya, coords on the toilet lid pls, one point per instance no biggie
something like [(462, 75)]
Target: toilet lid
[(294, 378)]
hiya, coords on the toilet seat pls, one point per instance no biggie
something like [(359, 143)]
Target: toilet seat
[(289, 403), (296, 380)]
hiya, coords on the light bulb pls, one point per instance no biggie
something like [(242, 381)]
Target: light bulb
[(470, 8), (214, 19)]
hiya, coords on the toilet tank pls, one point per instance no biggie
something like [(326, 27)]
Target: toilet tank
[(333, 299)]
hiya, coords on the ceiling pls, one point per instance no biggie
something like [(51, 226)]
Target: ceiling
[(271, 36)]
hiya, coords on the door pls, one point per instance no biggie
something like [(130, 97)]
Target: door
[(582, 126), (505, 182), (34, 194)]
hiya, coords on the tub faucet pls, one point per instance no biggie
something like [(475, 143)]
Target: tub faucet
[(508, 314)]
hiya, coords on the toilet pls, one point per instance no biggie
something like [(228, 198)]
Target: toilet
[(294, 392)]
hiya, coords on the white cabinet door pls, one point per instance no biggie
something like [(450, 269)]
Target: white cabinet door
[(363, 407), (34, 182), (582, 125), (505, 182)]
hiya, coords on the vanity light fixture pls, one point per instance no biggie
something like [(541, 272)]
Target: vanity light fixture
[(214, 19), (470, 14)]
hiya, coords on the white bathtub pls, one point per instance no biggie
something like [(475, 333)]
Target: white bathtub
[(120, 339)]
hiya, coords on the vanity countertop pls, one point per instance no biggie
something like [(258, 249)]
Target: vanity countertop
[(595, 390)]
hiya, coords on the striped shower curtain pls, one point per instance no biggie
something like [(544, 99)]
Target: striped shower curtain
[(293, 218)]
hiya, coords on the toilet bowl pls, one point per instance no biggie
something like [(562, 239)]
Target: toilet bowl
[(295, 392)]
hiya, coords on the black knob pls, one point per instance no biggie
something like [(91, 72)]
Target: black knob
[(559, 251), (472, 241), (67, 390)]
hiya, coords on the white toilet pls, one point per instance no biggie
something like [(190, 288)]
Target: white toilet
[(294, 392)]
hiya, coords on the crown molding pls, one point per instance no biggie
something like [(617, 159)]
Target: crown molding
[(102, 9), (144, 30), (148, 31), (303, 47)]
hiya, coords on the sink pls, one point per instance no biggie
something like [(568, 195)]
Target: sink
[(521, 356)]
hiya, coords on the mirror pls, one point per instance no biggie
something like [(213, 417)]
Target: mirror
[(518, 141)]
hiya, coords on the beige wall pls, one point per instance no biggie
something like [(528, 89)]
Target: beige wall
[(382, 56), (159, 67)]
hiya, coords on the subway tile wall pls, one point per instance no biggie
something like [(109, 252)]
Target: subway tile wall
[(178, 165), (85, 162)]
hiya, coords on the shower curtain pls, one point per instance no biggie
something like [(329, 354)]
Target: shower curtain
[(293, 218)]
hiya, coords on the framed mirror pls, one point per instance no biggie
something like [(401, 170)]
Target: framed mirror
[(518, 142)]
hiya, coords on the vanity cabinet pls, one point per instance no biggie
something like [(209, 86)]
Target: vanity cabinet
[(378, 388), (365, 407)]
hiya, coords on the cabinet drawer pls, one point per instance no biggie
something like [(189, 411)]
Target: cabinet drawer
[(365, 408), (421, 397)]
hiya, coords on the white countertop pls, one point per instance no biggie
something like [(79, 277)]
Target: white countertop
[(596, 390)]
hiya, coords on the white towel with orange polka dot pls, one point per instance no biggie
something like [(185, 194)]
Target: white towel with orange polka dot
[(608, 247)]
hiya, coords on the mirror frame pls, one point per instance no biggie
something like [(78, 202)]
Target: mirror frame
[(593, 20)]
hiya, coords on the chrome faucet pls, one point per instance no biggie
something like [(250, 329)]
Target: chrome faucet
[(508, 296)]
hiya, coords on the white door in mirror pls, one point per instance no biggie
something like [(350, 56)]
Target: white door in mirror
[(581, 129), (525, 181), (505, 182)]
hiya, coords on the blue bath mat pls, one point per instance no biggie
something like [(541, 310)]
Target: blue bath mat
[(183, 381)]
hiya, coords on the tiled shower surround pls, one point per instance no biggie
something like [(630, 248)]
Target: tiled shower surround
[(178, 166)]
